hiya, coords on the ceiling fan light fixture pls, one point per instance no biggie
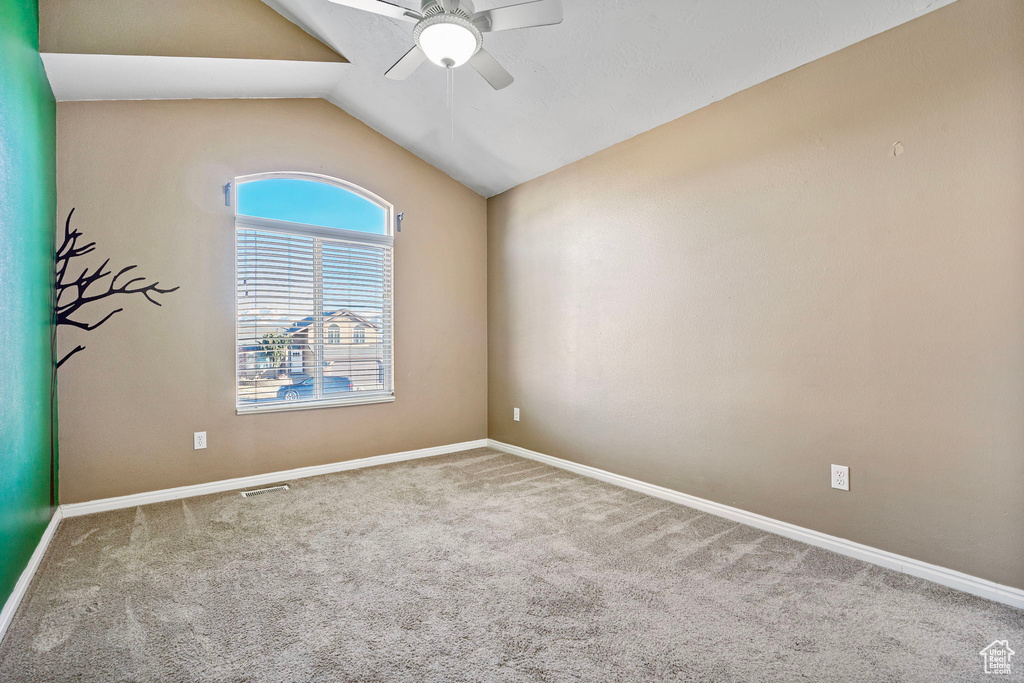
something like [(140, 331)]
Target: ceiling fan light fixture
[(448, 40), (449, 32)]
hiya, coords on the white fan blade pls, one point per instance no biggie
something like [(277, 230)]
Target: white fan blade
[(409, 62), (536, 13), (488, 67), (388, 9), (450, 5)]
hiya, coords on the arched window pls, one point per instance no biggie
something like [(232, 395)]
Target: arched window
[(312, 250)]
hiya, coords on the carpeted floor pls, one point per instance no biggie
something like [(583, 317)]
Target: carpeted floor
[(477, 566)]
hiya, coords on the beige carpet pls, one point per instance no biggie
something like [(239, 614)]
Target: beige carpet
[(475, 567)]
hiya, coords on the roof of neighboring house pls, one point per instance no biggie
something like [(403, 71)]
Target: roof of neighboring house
[(340, 313)]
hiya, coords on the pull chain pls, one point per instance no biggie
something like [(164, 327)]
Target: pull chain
[(451, 99)]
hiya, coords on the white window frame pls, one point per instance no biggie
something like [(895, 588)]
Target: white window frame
[(387, 240)]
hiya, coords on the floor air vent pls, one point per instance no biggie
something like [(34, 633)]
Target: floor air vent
[(260, 492)]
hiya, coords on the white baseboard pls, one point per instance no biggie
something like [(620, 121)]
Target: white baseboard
[(947, 577), (104, 504), (21, 587)]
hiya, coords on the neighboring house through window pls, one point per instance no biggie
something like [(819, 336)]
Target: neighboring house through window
[(313, 262)]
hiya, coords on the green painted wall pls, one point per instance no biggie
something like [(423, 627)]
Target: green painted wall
[(27, 206)]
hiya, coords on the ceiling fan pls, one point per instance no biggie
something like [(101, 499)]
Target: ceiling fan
[(450, 32)]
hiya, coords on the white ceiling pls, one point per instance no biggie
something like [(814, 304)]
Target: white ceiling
[(131, 77), (611, 70)]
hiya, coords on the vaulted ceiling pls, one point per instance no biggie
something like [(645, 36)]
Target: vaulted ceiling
[(611, 70)]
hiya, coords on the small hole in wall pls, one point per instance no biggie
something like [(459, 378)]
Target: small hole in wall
[(897, 149)]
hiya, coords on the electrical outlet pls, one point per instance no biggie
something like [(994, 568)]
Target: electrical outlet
[(841, 477), (515, 414), (199, 440)]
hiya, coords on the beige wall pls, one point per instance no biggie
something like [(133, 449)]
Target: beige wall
[(146, 180), (246, 29), (731, 302)]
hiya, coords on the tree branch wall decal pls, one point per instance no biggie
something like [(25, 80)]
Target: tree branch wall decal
[(88, 287)]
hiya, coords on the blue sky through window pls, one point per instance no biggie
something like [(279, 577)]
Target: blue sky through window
[(311, 202)]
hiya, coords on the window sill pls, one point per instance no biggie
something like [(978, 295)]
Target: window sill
[(313, 405)]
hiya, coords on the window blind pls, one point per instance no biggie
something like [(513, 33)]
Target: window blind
[(314, 316)]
